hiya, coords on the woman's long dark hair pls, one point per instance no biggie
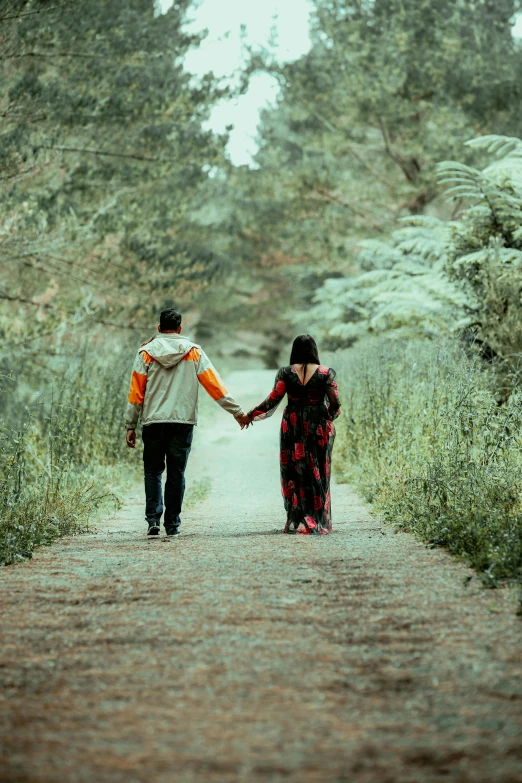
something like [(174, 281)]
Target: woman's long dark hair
[(304, 351)]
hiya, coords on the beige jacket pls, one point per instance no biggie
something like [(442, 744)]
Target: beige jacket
[(165, 382)]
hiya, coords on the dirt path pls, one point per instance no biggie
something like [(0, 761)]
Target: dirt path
[(237, 654)]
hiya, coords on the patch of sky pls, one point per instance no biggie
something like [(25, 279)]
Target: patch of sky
[(517, 26), (282, 26)]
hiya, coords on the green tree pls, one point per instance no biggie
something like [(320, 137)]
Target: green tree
[(102, 158), (388, 89)]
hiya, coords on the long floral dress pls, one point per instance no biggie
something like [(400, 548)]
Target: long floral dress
[(307, 439)]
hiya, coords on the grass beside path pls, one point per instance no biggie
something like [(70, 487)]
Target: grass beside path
[(426, 437)]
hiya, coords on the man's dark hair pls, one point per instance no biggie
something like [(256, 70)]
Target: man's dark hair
[(170, 320)]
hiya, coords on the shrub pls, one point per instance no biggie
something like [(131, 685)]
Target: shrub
[(56, 455), (425, 438)]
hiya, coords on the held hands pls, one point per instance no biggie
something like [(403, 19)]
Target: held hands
[(244, 421)]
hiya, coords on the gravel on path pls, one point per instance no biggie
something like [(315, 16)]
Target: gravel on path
[(236, 654)]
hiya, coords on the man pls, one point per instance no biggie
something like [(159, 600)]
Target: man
[(164, 390)]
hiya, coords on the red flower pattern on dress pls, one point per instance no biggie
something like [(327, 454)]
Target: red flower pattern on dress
[(284, 457), (302, 530), (310, 521), (287, 490), (281, 388), (299, 451), (317, 475), (318, 503), (293, 419), (322, 370), (294, 500), (306, 428), (284, 426), (321, 434)]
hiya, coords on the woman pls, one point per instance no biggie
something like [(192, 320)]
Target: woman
[(307, 436)]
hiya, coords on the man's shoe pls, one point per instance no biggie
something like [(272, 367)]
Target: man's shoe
[(153, 530), (173, 532)]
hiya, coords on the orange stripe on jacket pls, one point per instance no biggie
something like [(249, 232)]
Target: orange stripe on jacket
[(212, 384), (137, 388), (147, 358), (192, 356)]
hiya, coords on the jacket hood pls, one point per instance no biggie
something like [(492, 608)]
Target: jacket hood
[(168, 349)]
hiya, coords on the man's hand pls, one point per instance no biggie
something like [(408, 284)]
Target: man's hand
[(244, 421), (131, 439)]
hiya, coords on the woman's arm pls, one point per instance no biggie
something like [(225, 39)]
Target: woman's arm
[(332, 392), (268, 406)]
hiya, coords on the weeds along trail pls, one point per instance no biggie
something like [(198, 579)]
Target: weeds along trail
[(239, 654), (432, 437), (60, 450)]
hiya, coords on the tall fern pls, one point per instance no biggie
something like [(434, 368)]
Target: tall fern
[(436, 276)]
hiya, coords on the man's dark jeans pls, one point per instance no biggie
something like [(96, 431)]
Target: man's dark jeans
[(170, 442)]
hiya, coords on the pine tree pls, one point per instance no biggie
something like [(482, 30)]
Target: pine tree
[(102, 159)]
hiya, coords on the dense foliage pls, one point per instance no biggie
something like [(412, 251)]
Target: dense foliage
[(439, 276), (102, 158), (57, 452), (425, 439), (387, 90)]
